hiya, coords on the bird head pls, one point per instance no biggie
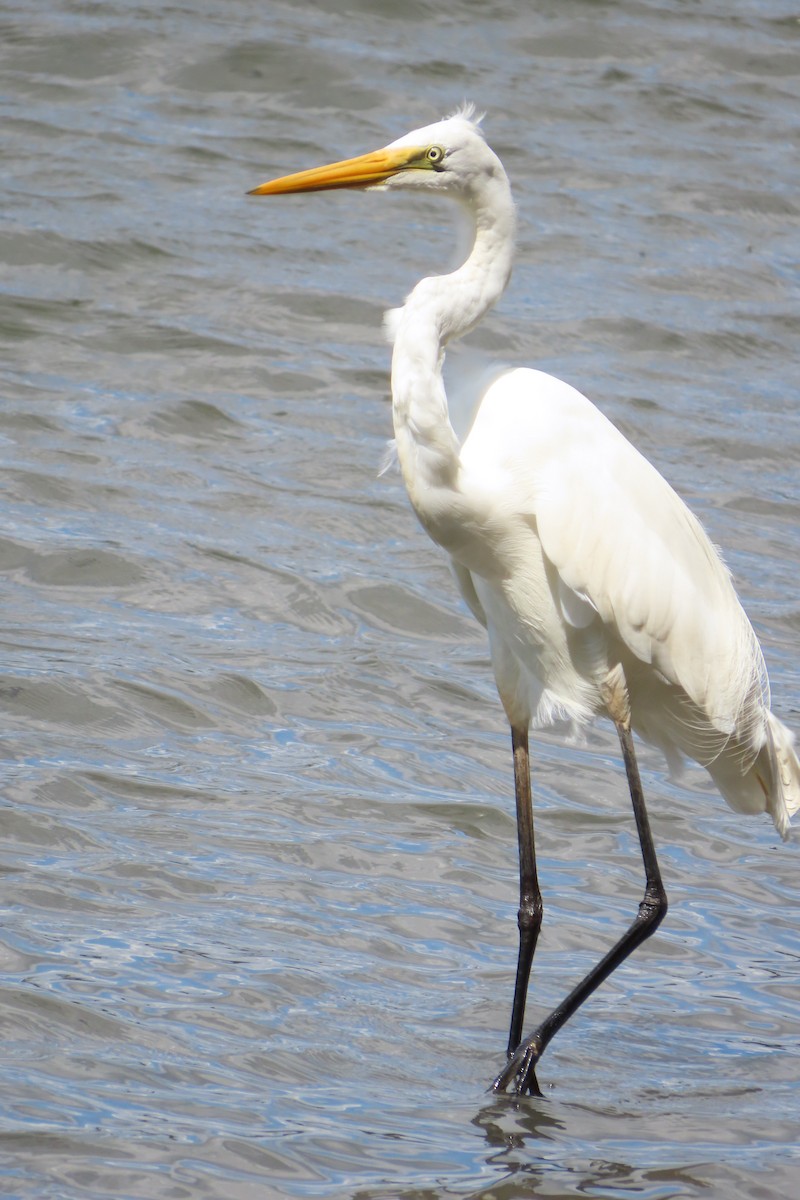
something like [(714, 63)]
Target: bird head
[(448, 156)]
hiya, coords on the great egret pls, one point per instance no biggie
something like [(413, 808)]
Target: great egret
[(600, 591)]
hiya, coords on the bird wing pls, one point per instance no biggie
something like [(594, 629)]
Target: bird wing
[(621, 540), (467, 588)]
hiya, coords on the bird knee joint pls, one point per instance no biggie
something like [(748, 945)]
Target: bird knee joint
[(529, 916), (653, 907)]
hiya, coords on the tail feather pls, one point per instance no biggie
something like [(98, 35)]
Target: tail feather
[(769, 782), (783, 783)]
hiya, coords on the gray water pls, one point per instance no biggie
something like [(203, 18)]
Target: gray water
[(258, 848)]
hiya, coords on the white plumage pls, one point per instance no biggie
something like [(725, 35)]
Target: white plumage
[(600, 591), (567, 543), (602, 563)]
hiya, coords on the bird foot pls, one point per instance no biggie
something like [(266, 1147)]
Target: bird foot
[(521, 1069)]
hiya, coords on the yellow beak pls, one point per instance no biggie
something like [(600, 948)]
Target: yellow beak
[(365, 171)]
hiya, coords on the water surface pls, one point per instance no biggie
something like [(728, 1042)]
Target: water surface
[(258, 847)]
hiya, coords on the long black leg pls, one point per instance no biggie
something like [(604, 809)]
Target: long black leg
[(652, 910), (529, 917)]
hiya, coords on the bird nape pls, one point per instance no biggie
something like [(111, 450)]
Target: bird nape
[(600, 591)]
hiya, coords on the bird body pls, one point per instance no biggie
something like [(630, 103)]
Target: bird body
[(600, 591), (576, 554)]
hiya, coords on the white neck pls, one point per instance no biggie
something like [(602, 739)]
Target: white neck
[(439, 309)]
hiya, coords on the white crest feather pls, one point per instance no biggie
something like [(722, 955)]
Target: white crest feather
[(467, 112)]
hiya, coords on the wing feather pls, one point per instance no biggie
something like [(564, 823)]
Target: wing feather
[(620, 538)]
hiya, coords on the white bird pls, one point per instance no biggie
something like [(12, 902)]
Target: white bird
[(600, 591)]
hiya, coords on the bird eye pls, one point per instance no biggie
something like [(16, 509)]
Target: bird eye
[(435, 154)]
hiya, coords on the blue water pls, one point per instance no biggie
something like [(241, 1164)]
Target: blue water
[(257, 840)]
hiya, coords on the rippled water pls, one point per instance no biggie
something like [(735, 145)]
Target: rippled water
[(258, 850)]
